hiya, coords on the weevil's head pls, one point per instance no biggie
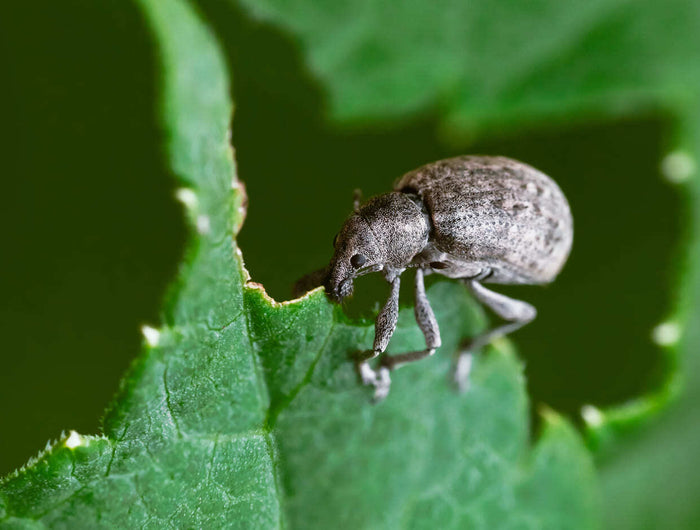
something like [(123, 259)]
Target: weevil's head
[(385, 233), (356, 253)]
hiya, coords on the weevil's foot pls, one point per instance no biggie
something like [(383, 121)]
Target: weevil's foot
[(461, 370), (382, 385), (367, 374), (379, 379)]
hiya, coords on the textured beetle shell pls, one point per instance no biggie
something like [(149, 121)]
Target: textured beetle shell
[(494, 214)]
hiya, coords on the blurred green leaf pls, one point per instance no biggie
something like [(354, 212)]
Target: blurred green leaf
[(494, 62), (649, 480), (247, 413)]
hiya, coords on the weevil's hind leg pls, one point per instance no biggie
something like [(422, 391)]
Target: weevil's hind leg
[(383, 330), (427, 324), (516, 312)]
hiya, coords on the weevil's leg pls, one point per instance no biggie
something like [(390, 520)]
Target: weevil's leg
[(383, 330), (427, 324), (516, 312)]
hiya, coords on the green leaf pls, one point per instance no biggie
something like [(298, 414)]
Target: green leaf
[(247, 413), (496, 62), (425, 457)]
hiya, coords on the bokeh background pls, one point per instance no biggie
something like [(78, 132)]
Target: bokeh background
[(91, 233)]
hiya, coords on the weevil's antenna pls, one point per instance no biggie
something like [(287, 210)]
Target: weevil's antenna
[(356, 199)]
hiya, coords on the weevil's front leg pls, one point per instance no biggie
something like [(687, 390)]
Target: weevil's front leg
[(383, 330), (427, 324), (516, 312)]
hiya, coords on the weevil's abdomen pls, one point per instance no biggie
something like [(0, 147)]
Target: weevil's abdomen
[(495, 212)]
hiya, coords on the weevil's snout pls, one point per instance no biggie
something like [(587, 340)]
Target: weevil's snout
[(340, 279), (356, 253), (339, 290)]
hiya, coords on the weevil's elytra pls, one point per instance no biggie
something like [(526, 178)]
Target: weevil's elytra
[(479, 219)]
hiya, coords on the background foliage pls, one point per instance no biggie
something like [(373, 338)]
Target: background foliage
[(326, 102)]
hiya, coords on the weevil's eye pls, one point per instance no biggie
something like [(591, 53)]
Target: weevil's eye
[(335, 238), (357, 261)]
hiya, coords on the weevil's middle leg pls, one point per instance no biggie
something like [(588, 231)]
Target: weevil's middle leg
[(516, 312), (427, 324)]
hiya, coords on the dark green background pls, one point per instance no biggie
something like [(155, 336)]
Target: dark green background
[(91, 233)]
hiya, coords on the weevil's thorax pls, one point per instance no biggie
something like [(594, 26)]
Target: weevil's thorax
[(400, 225)]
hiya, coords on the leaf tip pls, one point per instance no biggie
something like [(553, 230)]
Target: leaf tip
[(592, 416), (187, 197), (549, 415), (75, 440), (152, 336), (678, 167), (667, 333), (556, 424)]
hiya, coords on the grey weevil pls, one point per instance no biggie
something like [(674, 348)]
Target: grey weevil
[(479, 219)]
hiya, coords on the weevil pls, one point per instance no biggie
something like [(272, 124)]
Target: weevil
[(477, 219)]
